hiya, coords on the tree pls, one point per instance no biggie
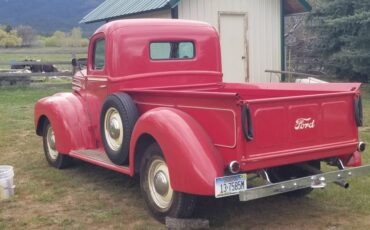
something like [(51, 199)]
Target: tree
[(9, 39), (342, 28), (27, 34), (71, 39), (3, 34), (76, 36), (8, 28), (58, 39)]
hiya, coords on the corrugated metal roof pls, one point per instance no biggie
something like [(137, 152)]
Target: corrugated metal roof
[(111, 9)]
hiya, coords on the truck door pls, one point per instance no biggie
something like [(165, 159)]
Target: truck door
[(96, 81)]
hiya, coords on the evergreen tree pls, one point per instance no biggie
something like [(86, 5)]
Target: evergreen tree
[(342, 28), (8, 28)]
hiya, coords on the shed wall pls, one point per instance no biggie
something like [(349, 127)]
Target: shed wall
[(154, 14), (264, 29)]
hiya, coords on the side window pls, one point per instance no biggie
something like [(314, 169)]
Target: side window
[(172, 50), (99, 55)]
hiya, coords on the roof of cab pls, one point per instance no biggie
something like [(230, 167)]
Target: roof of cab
[(140, 23)]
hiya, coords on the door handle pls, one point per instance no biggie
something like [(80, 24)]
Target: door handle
[(103, 86), (243, 57)]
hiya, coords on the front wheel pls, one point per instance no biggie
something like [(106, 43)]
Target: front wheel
[(156, 188), (53, 157)]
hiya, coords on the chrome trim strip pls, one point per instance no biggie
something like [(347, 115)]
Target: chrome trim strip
[(161, 105), (77, 84), (97, 79), (78, 78), (315, 181)]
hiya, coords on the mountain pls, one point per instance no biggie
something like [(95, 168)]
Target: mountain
[(47, 16)]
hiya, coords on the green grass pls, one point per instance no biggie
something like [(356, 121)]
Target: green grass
[(90, 197)]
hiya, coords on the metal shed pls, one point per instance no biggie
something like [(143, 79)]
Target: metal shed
[(251, 31)]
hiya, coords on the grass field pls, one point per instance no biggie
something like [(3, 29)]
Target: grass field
[(90, 197)]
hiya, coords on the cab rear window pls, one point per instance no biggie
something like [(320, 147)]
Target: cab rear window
[(172, 50)]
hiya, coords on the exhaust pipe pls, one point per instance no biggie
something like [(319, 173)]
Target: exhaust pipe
[(361, 146), (342, 183)]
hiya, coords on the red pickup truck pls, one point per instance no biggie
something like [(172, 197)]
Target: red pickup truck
[(151, 102)]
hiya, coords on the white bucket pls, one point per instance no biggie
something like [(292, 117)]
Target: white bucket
[(6, 182)]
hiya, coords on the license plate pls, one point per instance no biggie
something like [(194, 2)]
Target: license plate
[(230, 185)]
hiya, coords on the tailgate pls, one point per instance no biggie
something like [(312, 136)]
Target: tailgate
[(301, 128)]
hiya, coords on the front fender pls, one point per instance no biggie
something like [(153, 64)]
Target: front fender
[(192, 159), (69, 118)]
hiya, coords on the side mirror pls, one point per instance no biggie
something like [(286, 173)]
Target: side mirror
[(82, 62), (78, 64)]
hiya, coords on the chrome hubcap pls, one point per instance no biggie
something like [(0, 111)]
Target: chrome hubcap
[(50, 138), (159, 184), (113, 129), (52, 141)]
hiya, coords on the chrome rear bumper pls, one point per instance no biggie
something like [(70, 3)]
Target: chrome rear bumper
[(315, 181)]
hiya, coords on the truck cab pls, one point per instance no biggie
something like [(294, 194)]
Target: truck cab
[(151, 102)]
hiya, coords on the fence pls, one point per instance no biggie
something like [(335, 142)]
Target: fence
[(19, 76), (13, 77)]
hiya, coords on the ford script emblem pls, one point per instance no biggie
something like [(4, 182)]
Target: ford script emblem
[(304, 123)]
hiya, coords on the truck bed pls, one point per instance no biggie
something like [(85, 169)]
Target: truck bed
[(290, 122)]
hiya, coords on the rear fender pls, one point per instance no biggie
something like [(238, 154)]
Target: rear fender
[(68, 116), (192, 159)]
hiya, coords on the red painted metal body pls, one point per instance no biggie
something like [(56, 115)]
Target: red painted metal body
[(195, 117)]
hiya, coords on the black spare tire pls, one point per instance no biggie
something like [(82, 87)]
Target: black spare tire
[(117, 120)]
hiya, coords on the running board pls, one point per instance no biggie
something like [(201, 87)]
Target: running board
[(100, 158), (315, 181)]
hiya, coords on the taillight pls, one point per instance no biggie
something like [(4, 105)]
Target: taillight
[(234, 167), (358, 111), (247, 123), (361, 147)]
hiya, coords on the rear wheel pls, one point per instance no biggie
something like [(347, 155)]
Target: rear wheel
[(156, 188), (290, 172), (53, 157)]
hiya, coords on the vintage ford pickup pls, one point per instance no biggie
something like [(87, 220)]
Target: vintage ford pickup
[(151, 102)]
